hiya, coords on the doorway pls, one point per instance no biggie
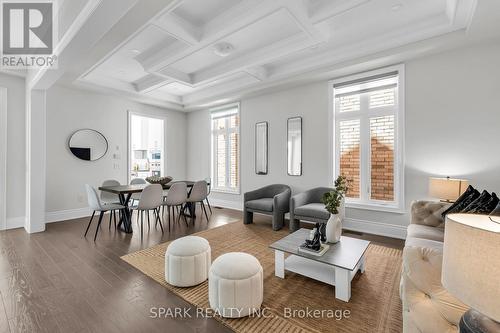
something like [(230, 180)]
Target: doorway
[(146, 149)]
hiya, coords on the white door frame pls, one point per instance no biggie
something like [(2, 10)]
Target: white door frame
[(3, 158), (129, 143)]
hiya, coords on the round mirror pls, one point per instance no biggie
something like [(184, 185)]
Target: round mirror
[(88, 144)]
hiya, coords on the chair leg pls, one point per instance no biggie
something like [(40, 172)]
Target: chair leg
[(88, 226), (114, 217), (208, 203), (168, 211), (149, 226), (185, 219), (204, 210), (178, 215), (158, 218), (110, 219), (142, 220), (98, 225)]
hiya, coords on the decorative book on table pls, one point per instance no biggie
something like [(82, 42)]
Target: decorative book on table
[(320, 252)]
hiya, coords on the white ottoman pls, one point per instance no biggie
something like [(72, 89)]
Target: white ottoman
[(235, 285), (187, 261)]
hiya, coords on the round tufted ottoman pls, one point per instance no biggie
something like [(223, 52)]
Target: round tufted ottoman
[(187, 261), (235, 285)]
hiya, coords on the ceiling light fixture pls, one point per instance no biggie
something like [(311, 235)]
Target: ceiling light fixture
[(223, 49)]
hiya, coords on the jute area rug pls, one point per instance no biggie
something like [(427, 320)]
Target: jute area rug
[(289, 303)]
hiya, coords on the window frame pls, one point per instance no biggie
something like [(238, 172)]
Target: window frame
[(364, 202), (213, 167)]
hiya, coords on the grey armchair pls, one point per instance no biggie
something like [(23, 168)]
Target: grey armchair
[(308, 206), (270, 200)]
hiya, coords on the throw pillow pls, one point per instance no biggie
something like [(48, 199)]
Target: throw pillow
[(496, 211), (482, 200), (486, 207), (463, 201)]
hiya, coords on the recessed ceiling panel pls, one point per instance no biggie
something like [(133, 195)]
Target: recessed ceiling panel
[(260, 34), (201, 12), (122, 66)]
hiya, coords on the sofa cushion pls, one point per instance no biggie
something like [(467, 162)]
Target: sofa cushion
[(316, 210), (263, 204), (425, 232)]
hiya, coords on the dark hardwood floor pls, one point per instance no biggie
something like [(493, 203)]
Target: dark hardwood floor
[(58, 281)]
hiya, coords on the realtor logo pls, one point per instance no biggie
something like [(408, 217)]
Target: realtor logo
[(27, 29)]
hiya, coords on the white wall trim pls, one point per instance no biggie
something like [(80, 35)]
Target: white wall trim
[(15, 222), (375, 228), (3, 158), (65, 215), (229, 204)]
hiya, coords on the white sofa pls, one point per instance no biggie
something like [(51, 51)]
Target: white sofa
[(427, 306)]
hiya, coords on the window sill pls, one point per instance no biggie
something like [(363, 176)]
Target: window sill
[(375, 207), (225, 191)]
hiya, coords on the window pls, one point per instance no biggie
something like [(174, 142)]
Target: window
[(368, 111), (226, 148)]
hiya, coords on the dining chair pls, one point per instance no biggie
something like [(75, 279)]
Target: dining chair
[(110, 198), (136, 196), (209, 183), (198, 195), (150, 199), (177, 196), (97, 206)]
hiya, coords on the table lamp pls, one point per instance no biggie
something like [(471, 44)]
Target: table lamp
[(471, 269), (447, 189)]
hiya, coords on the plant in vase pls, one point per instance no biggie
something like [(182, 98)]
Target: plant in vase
[(334, 204)]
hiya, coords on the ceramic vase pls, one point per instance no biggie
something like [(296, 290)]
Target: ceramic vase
[(333, 228)]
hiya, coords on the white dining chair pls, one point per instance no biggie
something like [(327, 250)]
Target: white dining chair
[(151, 199), (177, 196), (198, 194), (110, 198), (136, 196), (97, 206)]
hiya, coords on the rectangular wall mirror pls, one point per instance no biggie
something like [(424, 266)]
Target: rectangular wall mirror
[(261, 142), (294, 146)]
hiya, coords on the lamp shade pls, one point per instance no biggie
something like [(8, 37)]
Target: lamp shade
[(471, 262), (448, 189)]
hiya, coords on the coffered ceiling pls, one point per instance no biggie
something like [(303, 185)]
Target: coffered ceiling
[(194, 51)]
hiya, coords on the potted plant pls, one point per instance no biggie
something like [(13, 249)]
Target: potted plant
[(334, 204)]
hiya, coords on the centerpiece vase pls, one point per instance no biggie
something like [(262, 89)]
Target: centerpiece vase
[(333, 228)]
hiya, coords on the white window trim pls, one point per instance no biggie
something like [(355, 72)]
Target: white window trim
[(399, 165), (214, 187)]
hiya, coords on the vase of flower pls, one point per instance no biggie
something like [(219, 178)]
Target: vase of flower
[(333, 228), (335, 204)]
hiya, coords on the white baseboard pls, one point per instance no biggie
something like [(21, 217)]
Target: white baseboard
[(226, 204), (375, 228), (64, 215), (15, 222)]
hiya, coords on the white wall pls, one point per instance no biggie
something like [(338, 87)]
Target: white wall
[(15, 149), (452, 122), (71, 109)]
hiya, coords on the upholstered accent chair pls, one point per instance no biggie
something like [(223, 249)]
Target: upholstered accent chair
[(270, 200), (308, 206), (427, 306)]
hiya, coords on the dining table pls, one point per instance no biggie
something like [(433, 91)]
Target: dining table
[(125, 192)]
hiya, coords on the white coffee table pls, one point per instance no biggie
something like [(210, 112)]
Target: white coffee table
[(336, 267)]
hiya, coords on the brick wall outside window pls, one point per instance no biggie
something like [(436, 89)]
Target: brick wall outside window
[(382, 158)]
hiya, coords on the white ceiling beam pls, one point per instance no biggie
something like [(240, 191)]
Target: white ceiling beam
[(300, 13), (149, 82), (334, 8), (179, 28), (176, 75), (258, 72)]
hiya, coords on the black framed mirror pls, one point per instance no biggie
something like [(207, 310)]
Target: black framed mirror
[(294, 146), (88, 144), (261, 147)]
